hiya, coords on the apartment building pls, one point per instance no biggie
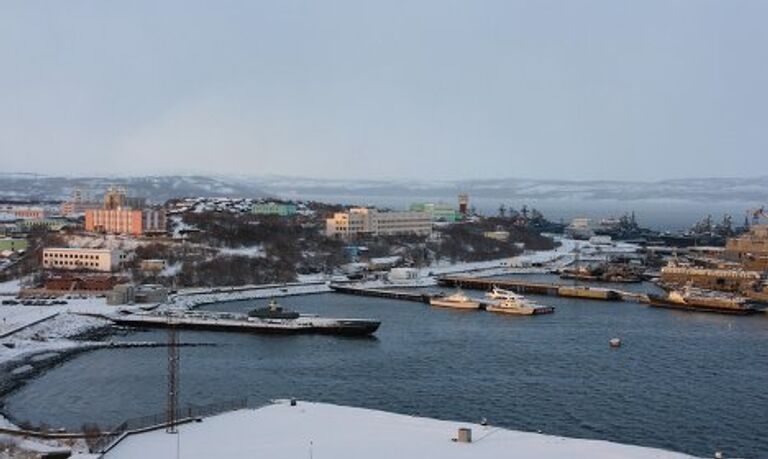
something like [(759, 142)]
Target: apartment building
[(125, 221), (363, 221)]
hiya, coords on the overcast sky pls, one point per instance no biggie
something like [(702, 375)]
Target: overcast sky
[(571, 89)]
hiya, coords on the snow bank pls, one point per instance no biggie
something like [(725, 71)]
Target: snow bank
[(28, 330), (256, 251), (10, 287), (329, 431)]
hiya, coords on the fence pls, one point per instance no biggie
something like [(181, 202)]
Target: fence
[(102, 442)]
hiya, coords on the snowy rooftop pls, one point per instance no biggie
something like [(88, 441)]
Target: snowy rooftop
[(321, 430)]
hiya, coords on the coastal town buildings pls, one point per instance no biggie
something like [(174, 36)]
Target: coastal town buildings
[(126, 221), (123, 215), (102, 260), (118, 221), (439, 212), (78, 204), (281, 209), (363, 221), (24, 212), (80, 283)]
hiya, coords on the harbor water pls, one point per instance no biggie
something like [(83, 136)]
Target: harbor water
[(687, 382)]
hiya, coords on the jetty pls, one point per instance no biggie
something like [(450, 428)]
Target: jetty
[(520, 286), (418, 297)]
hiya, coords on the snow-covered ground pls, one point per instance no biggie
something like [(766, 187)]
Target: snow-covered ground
[(191, 298), (328, 431), (256, 251), (28, 330), (545, 261), (10, 287)]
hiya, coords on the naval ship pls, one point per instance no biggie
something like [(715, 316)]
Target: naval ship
[(270, 319)]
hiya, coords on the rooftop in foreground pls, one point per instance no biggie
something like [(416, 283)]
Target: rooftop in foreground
[(321, 430)]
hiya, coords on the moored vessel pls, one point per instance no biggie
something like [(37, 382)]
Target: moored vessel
[(457, 301), (511, 303), (271, 319), (694, 299)]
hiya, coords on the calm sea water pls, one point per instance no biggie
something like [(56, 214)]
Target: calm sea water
[(688, 382)]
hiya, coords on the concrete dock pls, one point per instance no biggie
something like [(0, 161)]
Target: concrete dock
[(382, 293), (519, 286)]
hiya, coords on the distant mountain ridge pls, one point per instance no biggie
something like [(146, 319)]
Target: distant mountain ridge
[(157, 189)]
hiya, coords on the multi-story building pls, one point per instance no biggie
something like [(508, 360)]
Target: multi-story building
[(23, 211), (70, 208), (125, 221), (119, 221), (274, 208), (120, 214), (440, 212), (103, 260), (363, 221), (78, 204), (751, 249)]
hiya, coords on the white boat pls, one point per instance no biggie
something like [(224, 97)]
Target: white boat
[(458, 301), (511, 303)]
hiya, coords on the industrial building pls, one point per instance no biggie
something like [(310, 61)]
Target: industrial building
[(274, 208), (103, 260), (80, 283), (751, 249), (154, 265), (129, 294), (726, 280), (362, 221)]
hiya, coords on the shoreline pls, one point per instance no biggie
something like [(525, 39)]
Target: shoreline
[(33, 366)]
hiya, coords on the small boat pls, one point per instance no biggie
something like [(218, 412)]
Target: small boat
[(457, 301), (512, 303)]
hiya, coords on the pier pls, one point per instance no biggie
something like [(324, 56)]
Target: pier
[(476, 283), (382, 293), (518, 286)]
